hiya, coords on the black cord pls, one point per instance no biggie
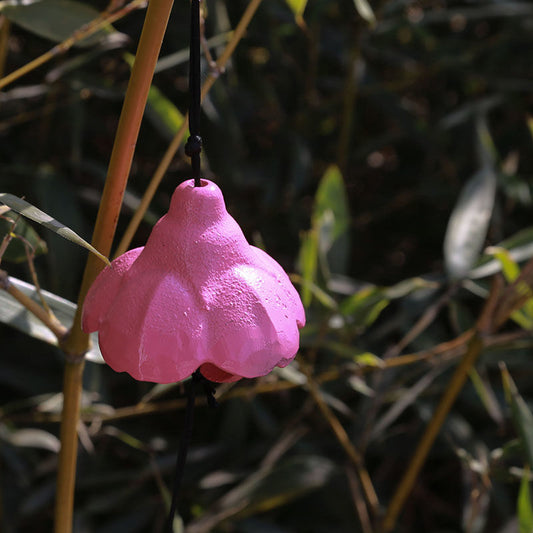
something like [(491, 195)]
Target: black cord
[(182, 453), (209, 391), (193, 147)]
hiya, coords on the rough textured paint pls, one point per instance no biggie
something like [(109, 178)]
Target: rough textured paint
[(196, 296)]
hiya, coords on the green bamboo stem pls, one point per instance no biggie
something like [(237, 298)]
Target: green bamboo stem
[(77, 342)]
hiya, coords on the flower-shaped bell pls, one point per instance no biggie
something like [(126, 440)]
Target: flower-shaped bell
[(196, 296)]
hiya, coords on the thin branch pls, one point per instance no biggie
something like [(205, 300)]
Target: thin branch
[(50, 321), (89, 29)]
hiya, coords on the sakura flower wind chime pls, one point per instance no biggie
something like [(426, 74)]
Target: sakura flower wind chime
[(197, 298)]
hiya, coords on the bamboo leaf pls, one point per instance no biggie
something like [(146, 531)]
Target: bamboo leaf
[(163, 114), (308, 264), (365, 11), (17, 316), (16, 250), (31, 438), (524, 509), (29, 211), (297, 6), (365, 306), (469, 223), (510, 268), (56, 20)]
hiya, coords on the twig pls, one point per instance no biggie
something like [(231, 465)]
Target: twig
[(426, 442), (49, 320), (475, 347), (358, 500), (4, 36), (89, 29), (343, 439)]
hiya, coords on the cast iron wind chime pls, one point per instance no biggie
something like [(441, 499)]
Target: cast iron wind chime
[(197, 301)]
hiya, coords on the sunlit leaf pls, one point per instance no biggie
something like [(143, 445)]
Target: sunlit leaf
[(55, 19), (163, 114), (524, 509), (331, 218), (510, 268), (297, 6), (469, 223), (511, 271), (519, 246), (16, 315), (365, 11), (29, 211)]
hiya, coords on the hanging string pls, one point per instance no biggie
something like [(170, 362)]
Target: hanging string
[(193, 147), (185, 439)]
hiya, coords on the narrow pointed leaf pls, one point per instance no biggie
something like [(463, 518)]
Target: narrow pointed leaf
[(56, 20), (29, 211), (163, 114), (308, 264), (365, 11), (17, 316), (469, 223), (524, 509), (23, 232), (297, 6)]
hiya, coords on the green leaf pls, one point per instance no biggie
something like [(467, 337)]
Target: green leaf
[(29, 211), (524, 509), (365, 11), (297, 6), (520, 247), (308, 264), (16, 250), (17, 316), (469, 223), (56, 20), (510, 268), (522, 417), (330, 200), (511, 271), (314, 290), (163, 114), (365, 306)]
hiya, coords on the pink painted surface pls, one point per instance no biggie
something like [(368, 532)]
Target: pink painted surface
[(196, 296)]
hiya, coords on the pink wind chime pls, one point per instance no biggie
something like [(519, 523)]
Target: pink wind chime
[(197, 299)]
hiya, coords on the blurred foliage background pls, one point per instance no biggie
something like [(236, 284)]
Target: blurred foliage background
[(375, 150)]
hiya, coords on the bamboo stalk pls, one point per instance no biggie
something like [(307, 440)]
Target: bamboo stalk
[(77, 342), (4, 37)]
